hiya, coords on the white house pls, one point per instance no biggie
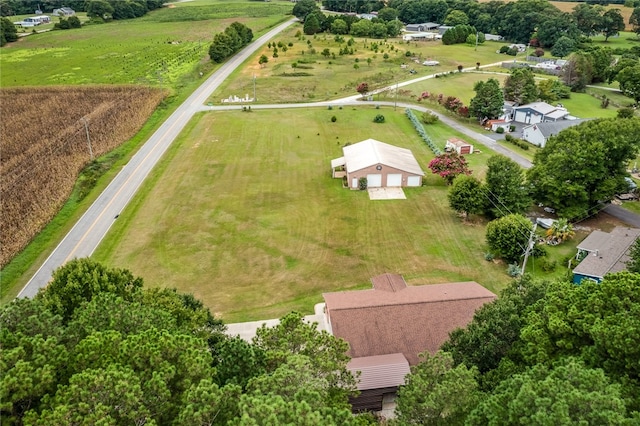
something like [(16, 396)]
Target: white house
[(64, 12), (538, 134)]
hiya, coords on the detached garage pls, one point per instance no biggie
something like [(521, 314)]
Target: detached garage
[(383, 165)]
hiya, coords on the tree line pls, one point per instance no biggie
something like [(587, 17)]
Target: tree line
[(231, 40), (97, 9)]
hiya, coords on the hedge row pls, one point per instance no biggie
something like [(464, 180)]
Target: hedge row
[(423, 134)]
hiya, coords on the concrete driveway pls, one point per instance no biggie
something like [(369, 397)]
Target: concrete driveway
[(386, 194)]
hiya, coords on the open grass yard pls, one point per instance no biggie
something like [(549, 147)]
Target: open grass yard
[(456, 84), (244, 214), (304, 74), (158, 49)]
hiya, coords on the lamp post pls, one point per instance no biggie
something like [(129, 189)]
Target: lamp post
[(86, 129)]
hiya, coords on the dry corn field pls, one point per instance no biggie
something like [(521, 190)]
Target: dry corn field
[(43, 147)]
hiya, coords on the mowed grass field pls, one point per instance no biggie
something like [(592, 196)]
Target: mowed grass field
[(332, 77), (159, 49), (244, 214)]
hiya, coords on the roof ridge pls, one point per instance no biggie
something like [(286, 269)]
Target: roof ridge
[(413, 303)]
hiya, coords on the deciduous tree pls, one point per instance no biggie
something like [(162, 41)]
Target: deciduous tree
[(611, 23), (563, 46), (508, 236), (520, 86), (449, 165), (488, 102), (304, 7), (629, 79), (505, 187), (634, 21), (583, 165), (466, 196)]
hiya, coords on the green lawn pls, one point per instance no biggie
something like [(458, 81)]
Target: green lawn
[(243, 213), (161, 48), (457, 84)]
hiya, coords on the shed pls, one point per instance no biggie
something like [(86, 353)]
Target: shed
[(604, 253), (383, 165), (427, 26), (538, 134), (494, 125), (63, 11), (393, 317), (459, 146)]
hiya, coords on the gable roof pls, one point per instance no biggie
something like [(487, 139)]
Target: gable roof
[(608, 253), (552, 128), (540, 107), (393, 317), (457, 142), (371, 152)]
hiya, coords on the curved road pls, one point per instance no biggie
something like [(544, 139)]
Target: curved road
[(87, 233)]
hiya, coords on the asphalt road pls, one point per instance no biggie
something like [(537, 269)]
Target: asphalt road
[(87, 233)]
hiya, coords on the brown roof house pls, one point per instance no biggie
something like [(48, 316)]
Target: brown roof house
[(459, 146), (604, 253), (383, 165), (389, 325)]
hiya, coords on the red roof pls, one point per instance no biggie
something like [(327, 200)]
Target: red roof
[(396, 318)]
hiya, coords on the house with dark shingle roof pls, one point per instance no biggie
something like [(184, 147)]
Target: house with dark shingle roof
[(603, 253), (389, 325), (538, 134), (393, 317)]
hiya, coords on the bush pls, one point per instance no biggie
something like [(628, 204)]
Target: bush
[(504, 49), (512, 128), (379, 118), (513, 270), (548, 265), (334, 118), (512, 52), (538, 251), (488, 256), (330, 107), (508, 138), (500, 130), (362, 183), (430, 118), (538, 52)]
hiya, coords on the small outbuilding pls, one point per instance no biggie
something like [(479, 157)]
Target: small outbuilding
[(64, 12), (383, 165), (459, 146), (538, 112)]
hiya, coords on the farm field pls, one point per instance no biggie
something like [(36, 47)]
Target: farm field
[(300, 75), (158, 50), (36, 181), (243, 213)]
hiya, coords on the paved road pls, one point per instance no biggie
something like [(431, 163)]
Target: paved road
[(87, 233)]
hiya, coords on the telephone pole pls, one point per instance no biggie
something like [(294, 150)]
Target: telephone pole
[(86, 129), (530, 244)]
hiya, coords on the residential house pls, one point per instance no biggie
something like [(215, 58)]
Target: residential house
[(604, 253), (427, 26), (538, 134), (383, 165), (64, 12), (493, 37), (538, 112), (389, 325)]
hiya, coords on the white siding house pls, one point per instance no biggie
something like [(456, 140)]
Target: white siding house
[(538, 134)]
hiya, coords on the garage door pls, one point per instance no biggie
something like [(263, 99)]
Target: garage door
[(413, 181), (374, 181), (394, 180)]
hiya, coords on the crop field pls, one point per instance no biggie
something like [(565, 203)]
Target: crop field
[(303, 74), (44, 150), (159, 49), (243, 213)]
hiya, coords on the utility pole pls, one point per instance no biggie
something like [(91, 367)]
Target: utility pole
[(530, 245), (395, 102), (254, 88), (86, 129)]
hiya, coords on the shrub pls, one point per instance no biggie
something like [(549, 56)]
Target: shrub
[(362, 183), (548, 265), (429, 118), (488, 256), (378, 118), (500, 130), (330, 107), (508, 138), (504, 49), (513, 270), (512, 128), (538, 52), (334, 118), (538, 251), (512, 52)]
